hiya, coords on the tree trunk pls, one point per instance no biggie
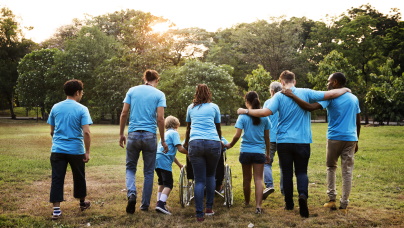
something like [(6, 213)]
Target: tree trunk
[(11, 107)]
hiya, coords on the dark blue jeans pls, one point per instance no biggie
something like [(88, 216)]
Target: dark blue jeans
[(294, 155), (204, 156)]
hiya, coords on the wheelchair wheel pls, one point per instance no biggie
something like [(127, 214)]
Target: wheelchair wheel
[(186, 188), (228, 190)]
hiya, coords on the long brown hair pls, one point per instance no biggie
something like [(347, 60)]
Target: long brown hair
[(202, 95), (253, 99)]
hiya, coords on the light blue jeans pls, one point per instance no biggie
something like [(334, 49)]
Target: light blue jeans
[(268, 179), (145, 142), (204, 156)]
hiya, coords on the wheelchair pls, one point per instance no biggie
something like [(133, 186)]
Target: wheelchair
[(223, 180)]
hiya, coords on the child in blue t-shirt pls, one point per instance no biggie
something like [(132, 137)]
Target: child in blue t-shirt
[(254, 149), (164, 162)]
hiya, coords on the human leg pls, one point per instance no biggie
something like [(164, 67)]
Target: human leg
[(166, 179), (212, 155), (247, 176), (79, 177), (333, 153), (149, 149), (133, 148), (301, 156), (286, 162), (59, 166), (258, 181), (195, 155), (347, 165)]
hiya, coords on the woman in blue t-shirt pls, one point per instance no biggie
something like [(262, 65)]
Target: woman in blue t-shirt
[(204, 147), (254, 149)]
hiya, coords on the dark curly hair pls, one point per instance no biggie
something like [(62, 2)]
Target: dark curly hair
[(253, 99), (72, 86), (202, 95)]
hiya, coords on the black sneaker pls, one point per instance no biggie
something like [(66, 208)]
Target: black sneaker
[(85, 205), (267, 192), (162, 208), (131, 207), (303, 209)]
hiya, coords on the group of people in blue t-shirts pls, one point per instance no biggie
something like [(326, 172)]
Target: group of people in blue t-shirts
[(286, 130)]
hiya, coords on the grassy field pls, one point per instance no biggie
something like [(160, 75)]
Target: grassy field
[(377, 198)]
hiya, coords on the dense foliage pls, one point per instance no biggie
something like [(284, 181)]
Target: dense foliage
[(109, 53)]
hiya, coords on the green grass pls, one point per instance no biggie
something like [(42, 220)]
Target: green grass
[(376, 199)]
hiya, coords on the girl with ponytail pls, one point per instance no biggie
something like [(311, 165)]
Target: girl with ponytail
[(254, 149)]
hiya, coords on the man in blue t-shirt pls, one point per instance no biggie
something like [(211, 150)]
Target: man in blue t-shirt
[(144, 104), (342, 136), (70, 130), (294, 136)]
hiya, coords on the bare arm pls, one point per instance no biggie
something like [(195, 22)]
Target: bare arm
[(236, 137), (330, 94), (303, 104), (122, 124), (178, 163), (358, 129), (52, 130), (219, 130), (187, 132), (267, 146), (181, 149), (255, 112), (87, 142), (160, 125)]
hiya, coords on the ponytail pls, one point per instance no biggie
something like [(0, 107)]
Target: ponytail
[(253, 99)]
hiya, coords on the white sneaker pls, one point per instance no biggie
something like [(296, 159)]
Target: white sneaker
[(267, 192)]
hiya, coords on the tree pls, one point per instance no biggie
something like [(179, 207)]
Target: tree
[(272, 44), (36, 85), (114, 77), (13, 46), (259, 81), (179, 83), (385, 97)]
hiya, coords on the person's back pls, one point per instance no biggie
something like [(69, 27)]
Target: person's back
[(204, 118), (342, 113), (68, 116), (294, 122), (252, 140), (144, 100)]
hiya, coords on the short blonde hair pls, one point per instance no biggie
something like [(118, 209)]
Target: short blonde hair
[(171, 122)]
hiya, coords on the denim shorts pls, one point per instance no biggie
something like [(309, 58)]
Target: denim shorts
[(251, 158)]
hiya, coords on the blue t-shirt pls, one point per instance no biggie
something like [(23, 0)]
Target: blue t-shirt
[(143, 101), (274, 124), (203, 118), (294, 123), (165, 161), (252, 139), (342, 113), (68, 117)]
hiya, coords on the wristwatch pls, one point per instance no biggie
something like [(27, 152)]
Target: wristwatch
[(246, 111)]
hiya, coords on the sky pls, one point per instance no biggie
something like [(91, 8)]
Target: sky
[(48, 15)]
